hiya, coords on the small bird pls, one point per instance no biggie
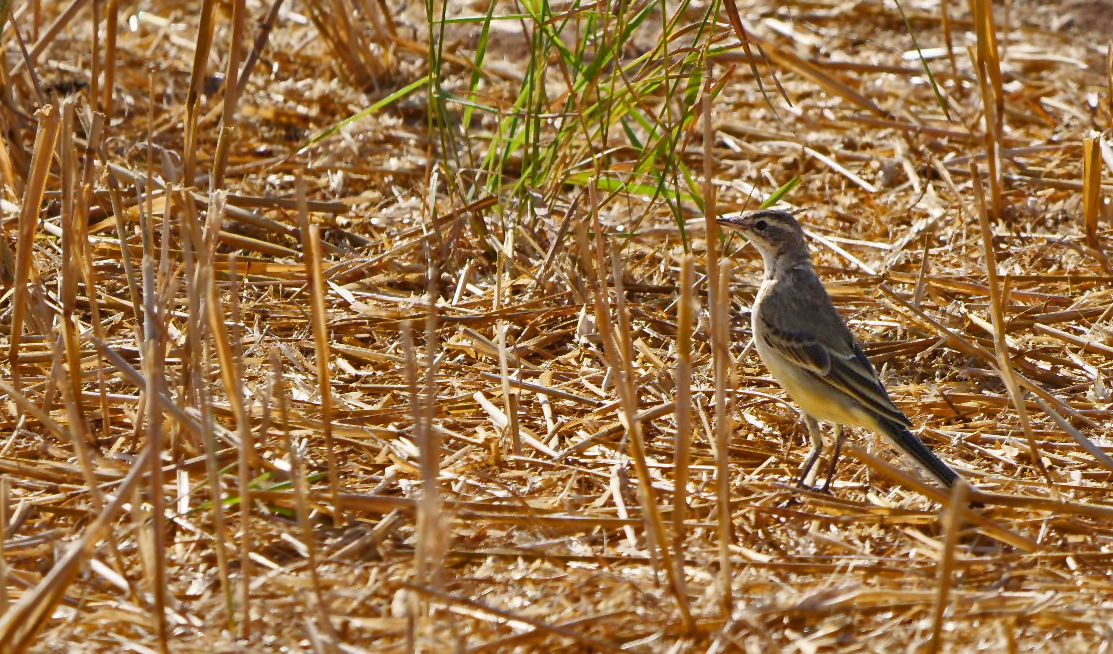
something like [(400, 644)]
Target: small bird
[(808, 348)]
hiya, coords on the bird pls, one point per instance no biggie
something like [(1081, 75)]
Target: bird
[(810, 351)]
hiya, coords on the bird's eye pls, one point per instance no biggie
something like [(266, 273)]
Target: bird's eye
[(760, 225)]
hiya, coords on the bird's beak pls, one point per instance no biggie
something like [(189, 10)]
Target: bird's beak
[(733, 220)]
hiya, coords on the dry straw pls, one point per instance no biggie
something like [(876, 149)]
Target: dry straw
[(414, 332)]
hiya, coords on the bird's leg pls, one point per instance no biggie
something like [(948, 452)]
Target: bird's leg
[(816, 436), (834, 456)]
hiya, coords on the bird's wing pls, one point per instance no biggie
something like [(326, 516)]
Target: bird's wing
[(801, 348), (810, 333), (845, 368)]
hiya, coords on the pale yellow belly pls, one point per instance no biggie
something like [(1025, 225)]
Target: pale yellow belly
[(814, 397)]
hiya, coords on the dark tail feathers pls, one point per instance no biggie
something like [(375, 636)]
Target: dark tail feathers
[(908, 443)]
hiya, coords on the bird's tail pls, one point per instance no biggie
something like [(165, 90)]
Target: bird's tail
[(909, 444)]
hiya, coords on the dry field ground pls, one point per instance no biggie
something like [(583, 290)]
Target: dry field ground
[(382, 326)]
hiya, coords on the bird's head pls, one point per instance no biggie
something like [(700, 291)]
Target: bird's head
[(774, 233)]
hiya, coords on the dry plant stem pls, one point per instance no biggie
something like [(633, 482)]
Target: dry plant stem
[(191, 235), (621, 372), (347, 42), (1042, 504), (944, 11), (952, 525), (508, 398), (94, 64), (257, 48), (89, 274), (153, 370), (613, 353), (236, 213), (134, 377), (921, 279), (987, 64), (196, 80), (718, 302), (246, 451), (20, 624), (165, 284), (68, 281), (986, 29), (429, 550), (1008, 24), (231, 99), (382, 19), (416, 608), (31, 72), (720, 326), (687, 307), (145, 185), (49, 126), (711, 229), (431, 522), (1091, 193), (125, 261), (54, 379), (7, 168), (992, 144), (36, 18), (112, 24), (311, 247), (999, 343), (314, 637), (740, 30), (1087, 345), (233, 388), (1109, 80), (5, 502), (301, 492), (77, 437), (623, 340), (194, 241), (79, 266)]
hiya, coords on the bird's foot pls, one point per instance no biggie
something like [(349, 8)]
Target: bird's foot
[(825, 489)]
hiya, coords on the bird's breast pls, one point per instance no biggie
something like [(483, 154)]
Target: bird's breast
[(816, 397)]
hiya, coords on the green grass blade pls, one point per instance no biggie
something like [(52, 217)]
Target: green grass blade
[(387, 101)]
